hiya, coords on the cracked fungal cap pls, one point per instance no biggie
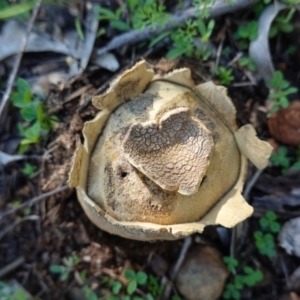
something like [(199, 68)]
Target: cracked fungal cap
[(164, 158)]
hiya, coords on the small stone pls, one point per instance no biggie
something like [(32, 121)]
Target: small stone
[(284, 125), (202, 274), (289, 237)]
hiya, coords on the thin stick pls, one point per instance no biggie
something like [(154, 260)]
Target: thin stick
[(251, 183), (219, 8), (11, 227), (13, 74), (186, 245), (12, 266), (169, 283), (34, 200)]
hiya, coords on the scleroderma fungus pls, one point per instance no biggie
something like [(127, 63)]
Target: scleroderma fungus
[(163, 157)]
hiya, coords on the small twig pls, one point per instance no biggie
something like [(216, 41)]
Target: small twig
[(135, 36), (12, 226), (34, 200), (219, 52), (13, 74), (251, 183), (169, 283), (185, 247), (12, 266)]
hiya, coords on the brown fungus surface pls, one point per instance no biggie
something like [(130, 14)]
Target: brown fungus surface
[(174, 153), (165, 158)]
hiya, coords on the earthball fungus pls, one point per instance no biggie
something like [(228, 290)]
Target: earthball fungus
[(164, 158)]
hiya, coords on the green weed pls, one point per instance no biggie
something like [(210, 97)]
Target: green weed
[(29, 170), (264, 238), (246, 33), (282, 23), (247, 62), (36, 123), (224, 75), (265, 243), (64, 270), (12, 292), (279, 90), (247, 278)]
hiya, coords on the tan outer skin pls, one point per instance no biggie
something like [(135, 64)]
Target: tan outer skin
[(160, 190)]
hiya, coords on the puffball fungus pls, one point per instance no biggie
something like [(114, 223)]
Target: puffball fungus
[(164, 158)]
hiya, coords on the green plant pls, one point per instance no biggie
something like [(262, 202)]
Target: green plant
[(29, 170), (202, 7), (269, 222), (280, 159), (135, 279), (36, 122), (153, 286), (264, 238), (13, 292), (116, 286), (224, 75), (231, 263), (245, 33), (279, 90), (89, 294), (282, 23), (248, 31), (176, 297), (265, 243), (183, 39), (247, 278), (114, 18), (20, 10), (64, 270), (247, 62), (148, 13)]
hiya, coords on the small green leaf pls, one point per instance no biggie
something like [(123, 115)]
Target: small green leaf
[(131, 287), (120, 25), (29, 113), (141, 277), (129, 274), (78, 28), (116, 287), (16, 9), (56, 269)]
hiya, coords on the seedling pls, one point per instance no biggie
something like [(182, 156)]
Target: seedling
[(280, 159), (202, 7), (183, 40), (64, 270), (264, 239), (269, 222), (265, 243), (116, 286), (150, 14), (154, 287), (279, 90), (282, 23), (135, 279), (231, 263), (247, 62), (89, 294), (36, 122), (248, 278), (114, 18), (29, 170), (13, 292), (245, 33), (224, 75)]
